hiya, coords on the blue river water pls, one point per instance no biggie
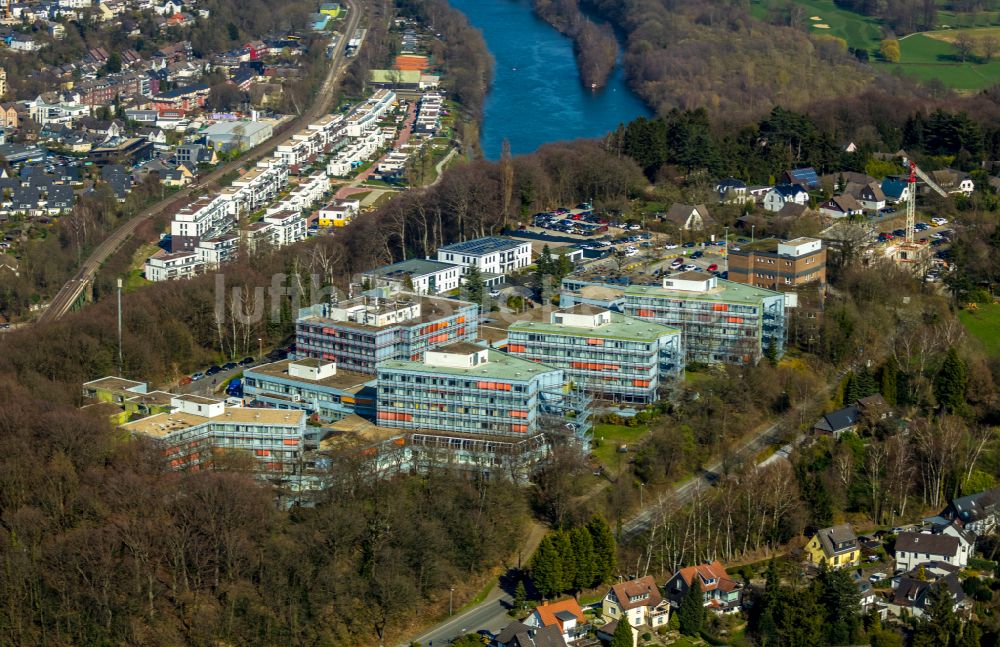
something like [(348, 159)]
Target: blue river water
[(537, 96)]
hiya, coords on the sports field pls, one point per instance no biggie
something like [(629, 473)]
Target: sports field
[(824, 17)]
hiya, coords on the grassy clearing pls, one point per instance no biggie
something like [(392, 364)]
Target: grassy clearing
[(610, 437), (984, 325), (859, 31), (930, 55)]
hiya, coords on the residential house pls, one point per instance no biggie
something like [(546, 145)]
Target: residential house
[(423, 276), (689, 217), (910, 593), (841, 206), (8, 116), (639, 602), (782, 194), (733, 191), (869, 195), (837, 423), (565, 614), (954, 181), (916, 548), (518, 634), (722, 593), (806, 177), (896, 190), (837, 547), (978, 512)]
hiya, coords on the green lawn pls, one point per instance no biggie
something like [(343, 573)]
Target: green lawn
[(984, 324), (926, 57), (859, 31), (610, 437)]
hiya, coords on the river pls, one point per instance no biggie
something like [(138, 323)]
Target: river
[(536, 96)]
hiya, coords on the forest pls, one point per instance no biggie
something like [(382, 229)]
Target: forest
[(595, 46)]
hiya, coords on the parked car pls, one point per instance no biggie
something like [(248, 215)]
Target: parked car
[(939, 222), (698, 254), (690, 268), (212, 370), (197, 376), (676, 263), (671, 246), (877, 577), (713, 267), (184, 381), (228, 366), (898, 233), (246, 361)]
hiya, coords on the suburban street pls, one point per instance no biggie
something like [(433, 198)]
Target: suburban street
[(74, 287)]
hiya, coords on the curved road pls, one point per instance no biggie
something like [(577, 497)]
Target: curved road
[(70, 292)]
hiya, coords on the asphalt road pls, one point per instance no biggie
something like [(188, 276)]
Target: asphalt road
[(71, 291)]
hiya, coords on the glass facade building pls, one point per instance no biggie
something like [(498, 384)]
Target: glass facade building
[(359, 334), (721, 321), (610, 355)]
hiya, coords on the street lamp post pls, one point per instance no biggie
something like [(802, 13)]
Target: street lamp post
[(451, 595), (260, 348), (752, 227), (641, 484), (725, 244)]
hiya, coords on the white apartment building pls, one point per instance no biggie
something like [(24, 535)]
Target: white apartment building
[(425, 276), (61, 112), (338, 213), (287, 227), (492, 255), (213, 252), (178, 265), (260, 185), (916, 548), (356, 153), (206, 217)]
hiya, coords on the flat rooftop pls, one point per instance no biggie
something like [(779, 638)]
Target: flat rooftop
[(163, 424), (197, 399), (481, 246), (112, 383), (460, 348), (493, 329), (431, 309), (499, 366), (155, 398), (413, 267), (726, 292), (343, 380), (621, 328)]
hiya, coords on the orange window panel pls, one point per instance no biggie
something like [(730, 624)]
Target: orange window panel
[(399, 441), (643, 312), (516, 348), (460, 331), (720, 307), (262, 452), (595, 342), (519, 428), (290, 441), (518, 414), (640, 382), (460, 320), (734, 319)]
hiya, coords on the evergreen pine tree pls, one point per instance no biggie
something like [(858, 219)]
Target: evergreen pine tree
[(408, 282), (544, 264), (839, 597), (692, 611), (473, 289), (940, 626), (583, 556), (546, 568), (520, 595), (888, 380), (972, 635), (567, 559), (561, 269), (604, 549), (850, 389), (623, 634), (950, 383), (866, 384), (771, 352)]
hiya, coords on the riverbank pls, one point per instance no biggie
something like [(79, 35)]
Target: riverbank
[(536, 96), (594, 46)]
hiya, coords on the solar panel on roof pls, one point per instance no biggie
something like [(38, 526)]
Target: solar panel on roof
[(481, 246)]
